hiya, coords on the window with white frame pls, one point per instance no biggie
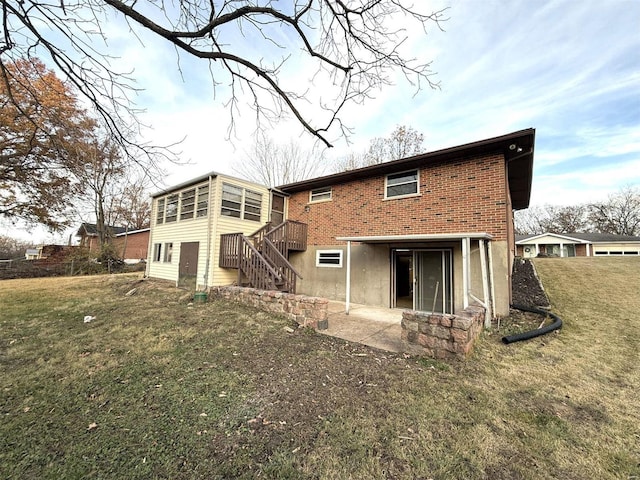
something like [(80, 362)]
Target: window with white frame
[(157, 252), (329, 258), (160, 211), (203, 201), (168, 251), (320, 194), (231, 200), (171, 214), (252, 204), (241, 203), (187, 203), (401, 184)]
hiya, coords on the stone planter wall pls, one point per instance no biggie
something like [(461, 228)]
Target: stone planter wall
[(307, 311), (442, 336)]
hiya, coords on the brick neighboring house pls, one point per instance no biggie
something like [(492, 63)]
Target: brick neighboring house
[(88, 233), (433, 232), (132, 245), (577, 245)]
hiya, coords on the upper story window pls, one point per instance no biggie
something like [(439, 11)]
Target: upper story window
[(160, 212), (203, 201), (402, 184), (187, 203), (320, 194), (171, 213), (241, 203), (252, 204), (231, 200), (184, 205)]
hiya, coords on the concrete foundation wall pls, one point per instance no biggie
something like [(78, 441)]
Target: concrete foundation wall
[(371, 273)]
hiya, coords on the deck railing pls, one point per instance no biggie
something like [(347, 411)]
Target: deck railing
[(267, 247), (289, 235), (249, 262), (288, 274)]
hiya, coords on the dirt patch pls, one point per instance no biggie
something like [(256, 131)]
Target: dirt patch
[(526, 286)]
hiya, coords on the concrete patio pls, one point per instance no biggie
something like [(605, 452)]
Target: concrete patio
[(376, 327)]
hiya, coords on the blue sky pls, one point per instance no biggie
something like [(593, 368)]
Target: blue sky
[(569, 68)]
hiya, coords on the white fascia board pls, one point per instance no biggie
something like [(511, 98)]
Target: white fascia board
[(532, 240), (416, 238)]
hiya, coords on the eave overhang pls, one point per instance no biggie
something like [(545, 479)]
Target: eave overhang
[(517, 149), (435, 237)]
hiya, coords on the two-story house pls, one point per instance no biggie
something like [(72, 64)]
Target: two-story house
[(432, 232)]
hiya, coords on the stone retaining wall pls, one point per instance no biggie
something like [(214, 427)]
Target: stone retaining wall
[(442, 336), (307, 311)]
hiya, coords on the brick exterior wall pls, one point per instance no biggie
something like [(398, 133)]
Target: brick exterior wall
[(137, 245), (468, 195)]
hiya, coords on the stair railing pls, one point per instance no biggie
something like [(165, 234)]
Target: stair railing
[(287, 273)]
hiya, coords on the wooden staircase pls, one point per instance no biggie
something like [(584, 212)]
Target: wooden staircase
[(262, 258)]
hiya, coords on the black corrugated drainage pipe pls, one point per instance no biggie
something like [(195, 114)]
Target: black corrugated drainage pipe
[(538, 331)]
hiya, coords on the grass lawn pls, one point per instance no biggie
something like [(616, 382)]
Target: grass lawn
[(156, 388)]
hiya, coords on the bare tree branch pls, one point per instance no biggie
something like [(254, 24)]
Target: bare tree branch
[(356, 45)]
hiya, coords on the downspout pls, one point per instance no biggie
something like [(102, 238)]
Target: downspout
[(491, 282), (209, 221), (348, 292), (465, 272), (152, 220), (485, 284)]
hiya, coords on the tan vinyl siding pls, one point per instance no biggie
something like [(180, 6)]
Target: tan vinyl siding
[(176, 233), (203, 229), (224, 224)]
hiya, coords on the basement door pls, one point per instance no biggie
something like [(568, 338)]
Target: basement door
[(422, 280), (188, 268)]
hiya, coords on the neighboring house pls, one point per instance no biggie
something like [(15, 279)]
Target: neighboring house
[(432, 232), (188, 220), (32, 253), (576, 245), (88, 233), (132, 246)]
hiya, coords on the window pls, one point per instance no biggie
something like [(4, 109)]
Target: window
[(168, 251), (157, 247), (187, 204), (240, 203), (172, 208), (160, 211), (203, 201), (231, 200), (320, 194), (252, 204), (402, 184), (329, 258)]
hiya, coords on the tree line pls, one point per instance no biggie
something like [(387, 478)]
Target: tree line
[(619, 214), (58, 162)]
